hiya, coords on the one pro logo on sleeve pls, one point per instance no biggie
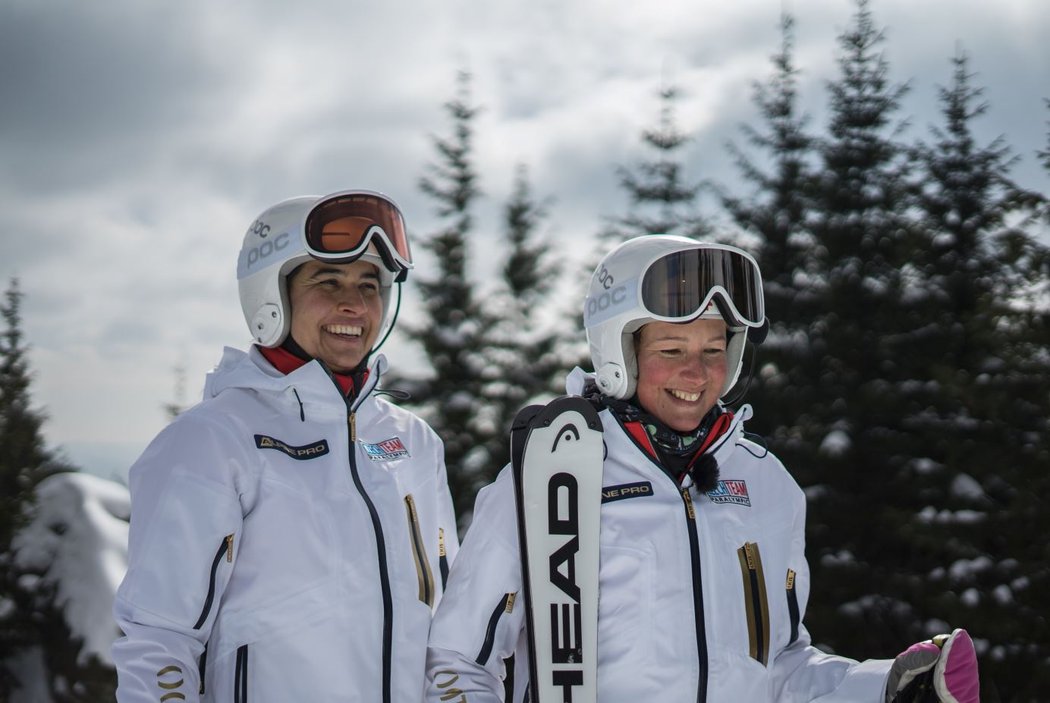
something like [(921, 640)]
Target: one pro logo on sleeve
[(306, 451)]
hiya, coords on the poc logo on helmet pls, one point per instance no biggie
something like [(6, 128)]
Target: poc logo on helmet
[(269, 246), (606, 302), (259, 228)]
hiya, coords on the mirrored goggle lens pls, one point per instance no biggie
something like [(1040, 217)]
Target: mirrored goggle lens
[(676, 285), (344, 225)]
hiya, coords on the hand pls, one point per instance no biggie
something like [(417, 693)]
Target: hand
[(943, 669)]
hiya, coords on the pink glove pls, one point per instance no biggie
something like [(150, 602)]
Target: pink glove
[(943, 669)]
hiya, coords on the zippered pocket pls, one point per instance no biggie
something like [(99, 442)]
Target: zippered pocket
[(755, 602), (419, 554), (225, 550), (240, 676), (792, 599), (506, 605)]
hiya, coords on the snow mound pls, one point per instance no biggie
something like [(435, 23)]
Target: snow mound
[(77, 540)]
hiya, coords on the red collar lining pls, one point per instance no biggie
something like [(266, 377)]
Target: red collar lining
[(643, 440), (287, 362)]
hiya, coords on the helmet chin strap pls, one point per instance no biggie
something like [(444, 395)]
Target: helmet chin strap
[(393, 319), (742, 388)]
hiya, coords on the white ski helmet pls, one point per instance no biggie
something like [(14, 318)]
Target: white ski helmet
[(294, 231), (667, 278)]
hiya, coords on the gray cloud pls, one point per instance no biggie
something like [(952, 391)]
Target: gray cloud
[(140, 139)]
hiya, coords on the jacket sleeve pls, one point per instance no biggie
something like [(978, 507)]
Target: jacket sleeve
[(801, 672), (480, 619), (186, 519)]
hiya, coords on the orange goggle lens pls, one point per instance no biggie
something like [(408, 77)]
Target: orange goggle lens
[(342, 227)]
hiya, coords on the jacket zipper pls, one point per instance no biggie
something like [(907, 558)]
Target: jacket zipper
[(419, 555), (240, 676), (698, 595), (792, 597), (506, 605), (755, 601), (442, 558), (384, 573), (225, 549)]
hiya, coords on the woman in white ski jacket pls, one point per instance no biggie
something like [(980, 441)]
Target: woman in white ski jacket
[(291, 534), (703, 581)]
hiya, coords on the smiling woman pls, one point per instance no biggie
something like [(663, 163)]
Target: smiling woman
[(288, 531), (702, 580)]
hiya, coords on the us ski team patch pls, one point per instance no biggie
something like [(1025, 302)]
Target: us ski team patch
[(732, 491), (386, 450)]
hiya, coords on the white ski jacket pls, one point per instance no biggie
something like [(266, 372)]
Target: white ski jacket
[(701, 597), (283, 546)]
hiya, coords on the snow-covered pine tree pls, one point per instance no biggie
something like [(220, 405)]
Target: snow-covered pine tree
[(847, 445), (778, 168), (454, 330), (24, 462), (662, 200), (33, 626), (524, 364), (978, 412)]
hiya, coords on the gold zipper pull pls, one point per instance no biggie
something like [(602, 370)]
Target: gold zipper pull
[(353, 427), (229, 548), (688, 503), (790, 579), (749, 553), (441, 542)]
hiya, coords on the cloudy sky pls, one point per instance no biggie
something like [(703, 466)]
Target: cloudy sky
[(139, 139)]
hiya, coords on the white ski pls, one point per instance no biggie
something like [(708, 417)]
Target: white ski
[(557, 454)]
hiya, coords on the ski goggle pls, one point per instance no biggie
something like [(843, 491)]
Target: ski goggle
[(340, 228), (678, 286)]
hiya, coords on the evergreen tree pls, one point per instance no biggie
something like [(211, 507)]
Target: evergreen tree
[(24, 462), (979, 420), (845, 443), (775, 212), (178, 405), (663, 201), (454, 332), (524, 363)]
